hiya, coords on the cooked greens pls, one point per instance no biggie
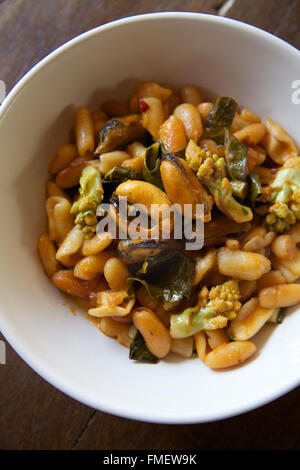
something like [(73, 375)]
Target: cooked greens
[(220, 118), (91, 195), (236, 157), (212, 173), (239, 189), (255, 188), (278, 315), (138, 350), (116, 176), (213, 310), (151, 173), (167, 275), (284, 195), (287, 182), (217, 126)]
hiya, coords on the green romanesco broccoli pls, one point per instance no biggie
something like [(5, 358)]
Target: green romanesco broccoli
[(91, 194), (195, 155), (284, 197), (212, 174), (214, 309)]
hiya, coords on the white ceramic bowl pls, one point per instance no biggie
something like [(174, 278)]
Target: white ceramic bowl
[(225, 56)]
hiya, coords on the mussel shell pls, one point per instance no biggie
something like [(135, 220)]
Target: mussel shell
[(135, 251), (118, 133)]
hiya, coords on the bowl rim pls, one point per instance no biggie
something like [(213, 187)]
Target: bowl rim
[(26, 354)]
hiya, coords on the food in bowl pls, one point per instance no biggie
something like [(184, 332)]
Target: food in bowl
[(113, 201)]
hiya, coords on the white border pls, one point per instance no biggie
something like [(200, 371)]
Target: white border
[(34, 361)]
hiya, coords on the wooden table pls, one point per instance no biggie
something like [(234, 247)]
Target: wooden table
[(33, 414)]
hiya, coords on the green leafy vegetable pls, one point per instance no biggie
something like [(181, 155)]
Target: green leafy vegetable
[(116, 176), (284, 194), (236, 157), (151, 173), (190, 321), (239, 189), (91, 195), (90, 190), (255, 188), (138, 350), (167, 275), (212, 311), (212, 173), (278, 315), (220, 118), (287, 182), (230, 335), (120, 174)]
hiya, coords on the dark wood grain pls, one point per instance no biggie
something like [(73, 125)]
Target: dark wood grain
[(33, 414), (274, 426), (31, 29), (289, 27), (281, 18)]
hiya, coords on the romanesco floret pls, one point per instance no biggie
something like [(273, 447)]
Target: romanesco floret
[(87, 222), (91, 194), (212, 173), (211, 165), (195, 155), (213, 310), (284, 196), (225, 298), (280, 217)]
